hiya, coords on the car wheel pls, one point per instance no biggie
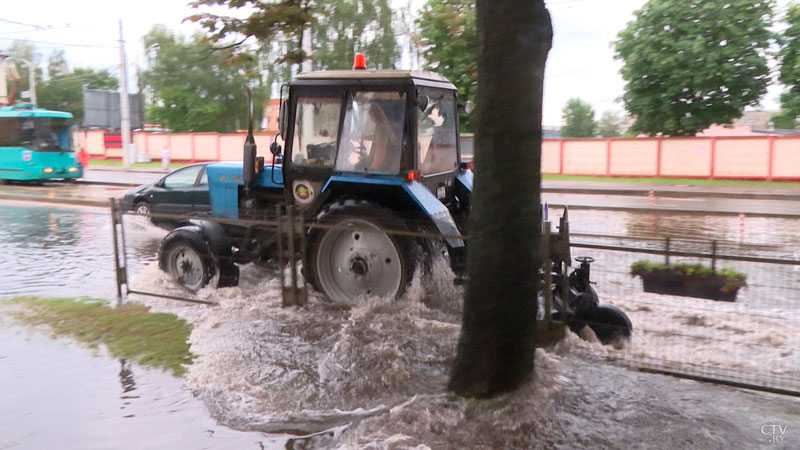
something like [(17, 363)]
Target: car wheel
[(142, 208)]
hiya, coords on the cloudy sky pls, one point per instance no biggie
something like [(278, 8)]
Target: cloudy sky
[(580, 64)]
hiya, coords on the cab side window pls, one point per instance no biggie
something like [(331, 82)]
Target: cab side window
[(316, 131), (436, 126)]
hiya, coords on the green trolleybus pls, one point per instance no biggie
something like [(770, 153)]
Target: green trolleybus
[(36, 144)]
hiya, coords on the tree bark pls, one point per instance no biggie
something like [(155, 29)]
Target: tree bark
[(496, 347)]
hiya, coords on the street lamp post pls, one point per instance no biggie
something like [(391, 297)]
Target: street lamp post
[(31, 77), (3, 87)]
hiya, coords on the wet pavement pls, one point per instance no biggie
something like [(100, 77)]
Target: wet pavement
[(781, 200), (369, 377)]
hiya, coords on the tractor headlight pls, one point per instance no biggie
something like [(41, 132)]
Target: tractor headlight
[(47, 170)]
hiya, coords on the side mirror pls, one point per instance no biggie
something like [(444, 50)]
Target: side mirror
[(283, 114), (275, 148), (282, 122), (422, 102)]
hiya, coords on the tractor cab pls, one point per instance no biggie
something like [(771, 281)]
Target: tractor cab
[(369, 127)]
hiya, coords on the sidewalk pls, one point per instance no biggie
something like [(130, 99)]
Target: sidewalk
[(644, 188), (116, 175)]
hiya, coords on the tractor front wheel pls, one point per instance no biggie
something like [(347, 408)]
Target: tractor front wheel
[(189, 262), (354, 255)]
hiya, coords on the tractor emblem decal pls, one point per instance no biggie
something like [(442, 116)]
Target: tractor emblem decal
[(303, 192)]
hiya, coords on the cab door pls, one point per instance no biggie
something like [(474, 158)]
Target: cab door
[(314, 137), (437, 143)]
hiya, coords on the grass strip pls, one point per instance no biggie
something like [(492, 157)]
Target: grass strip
[(128, 331)]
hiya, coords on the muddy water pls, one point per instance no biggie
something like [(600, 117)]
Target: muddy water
[(378, 370), (371, 376)]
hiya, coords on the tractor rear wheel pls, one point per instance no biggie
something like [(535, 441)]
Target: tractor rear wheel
[(356, 256)]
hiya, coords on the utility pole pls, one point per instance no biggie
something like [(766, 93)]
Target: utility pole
[(124, 108), (306, 45), (3, 86)]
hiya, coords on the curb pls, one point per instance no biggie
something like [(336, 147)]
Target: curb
[(58, 201)]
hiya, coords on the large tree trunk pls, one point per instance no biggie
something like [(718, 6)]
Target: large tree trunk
[(496, 347)]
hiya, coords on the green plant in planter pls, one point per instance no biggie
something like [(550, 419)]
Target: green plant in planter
[(732, 279)]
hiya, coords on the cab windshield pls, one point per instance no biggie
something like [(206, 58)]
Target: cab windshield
[(43, 134), (373, 135)]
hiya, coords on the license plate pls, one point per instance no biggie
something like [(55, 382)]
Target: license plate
[(441, 192)]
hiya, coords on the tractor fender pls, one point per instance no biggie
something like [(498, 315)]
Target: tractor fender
[(215, 235), (464, 178), (419, 195)]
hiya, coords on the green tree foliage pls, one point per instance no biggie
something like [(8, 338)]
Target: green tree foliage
[(692, 63), (64, 92), (354, 26), (789, 57), (578, 117), (270, 21), (196, 88), (339, 29), (448, 38), (609, 125)]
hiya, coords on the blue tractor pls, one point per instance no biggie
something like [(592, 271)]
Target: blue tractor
[(371, 150), (371, 161)]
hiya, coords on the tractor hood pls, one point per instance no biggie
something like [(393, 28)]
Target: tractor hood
[(225, 179)]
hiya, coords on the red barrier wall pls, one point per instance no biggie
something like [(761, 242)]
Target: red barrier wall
[(749, 157)]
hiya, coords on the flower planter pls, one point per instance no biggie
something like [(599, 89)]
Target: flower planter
[(666, 281)]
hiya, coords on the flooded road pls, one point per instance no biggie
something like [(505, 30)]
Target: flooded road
[(60, 395), (372, 376)]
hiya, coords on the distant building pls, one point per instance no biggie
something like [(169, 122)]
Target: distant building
[(549, 132), (752, 123), (271, 114)]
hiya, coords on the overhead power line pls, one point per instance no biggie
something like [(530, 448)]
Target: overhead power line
[(62, 44), (20, 23)]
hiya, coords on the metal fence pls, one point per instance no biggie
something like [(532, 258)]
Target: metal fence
[(753, 341)]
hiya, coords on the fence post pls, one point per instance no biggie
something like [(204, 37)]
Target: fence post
[(287, 227), (666, 252), (118, 272), (548, 275), (713, 256)]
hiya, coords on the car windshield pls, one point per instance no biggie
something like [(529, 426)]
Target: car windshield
[(372, 136), (44, 134)]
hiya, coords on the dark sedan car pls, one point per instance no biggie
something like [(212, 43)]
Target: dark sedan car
[(182, 192)]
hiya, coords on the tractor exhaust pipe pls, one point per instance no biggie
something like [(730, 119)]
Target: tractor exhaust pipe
[(249, 157)]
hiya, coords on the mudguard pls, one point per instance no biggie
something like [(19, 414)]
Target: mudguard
[(464, 178), (422, 197), (215, 235)]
